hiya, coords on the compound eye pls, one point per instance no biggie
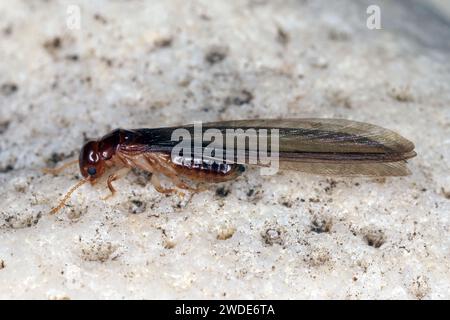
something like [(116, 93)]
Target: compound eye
[(91, 171)]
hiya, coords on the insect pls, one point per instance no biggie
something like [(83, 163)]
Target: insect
[(318, 146)]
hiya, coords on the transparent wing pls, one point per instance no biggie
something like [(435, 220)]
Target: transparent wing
[(349, 169), (320, 146), (325, 135)]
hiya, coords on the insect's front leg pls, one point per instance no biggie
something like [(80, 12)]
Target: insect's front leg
[(113, 177)]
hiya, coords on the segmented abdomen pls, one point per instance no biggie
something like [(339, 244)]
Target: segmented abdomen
[(208, 169)]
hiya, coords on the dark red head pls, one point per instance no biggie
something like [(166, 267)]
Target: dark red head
[(92, 165), (95, 152)]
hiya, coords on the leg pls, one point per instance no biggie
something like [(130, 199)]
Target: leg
[(158, 187), (161, 164), (145, 162), (57, 170), (178, 182), (113, 177), (182, 185)]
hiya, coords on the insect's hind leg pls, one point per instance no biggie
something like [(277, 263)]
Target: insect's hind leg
[(182, 185), (173, 175), (158, 187), (161, 165)]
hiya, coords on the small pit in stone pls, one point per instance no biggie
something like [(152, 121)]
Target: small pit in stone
[(22, 220), (136, 206), (168, 244), (6, 168), (375, 238), (401, 94), (318, 257), (272, 236), (226, 233), (420, 287), (99, 251), (74, 213), (142, 178), (321, 225), (241, 98), (222, 192)]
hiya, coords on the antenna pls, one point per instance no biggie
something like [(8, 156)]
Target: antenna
[(67, 196)]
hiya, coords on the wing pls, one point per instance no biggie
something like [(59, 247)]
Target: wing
[(377, 169), (326, 135), (321, 146)]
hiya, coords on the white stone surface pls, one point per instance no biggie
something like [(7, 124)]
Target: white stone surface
[(144, 64)]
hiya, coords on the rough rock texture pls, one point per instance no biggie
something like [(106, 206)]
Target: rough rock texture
[(152, 63)]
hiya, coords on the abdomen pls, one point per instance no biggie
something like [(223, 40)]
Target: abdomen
[(207, 171)]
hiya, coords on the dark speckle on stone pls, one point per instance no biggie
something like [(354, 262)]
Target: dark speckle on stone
[(53, 44), (8, 88), (272, 236), (4, 125), (98, 17), (243, 97), (137, 206), (338, 35), (56, 157), (445, 193), (7, 169), (222, 192), (287, 204), (88, 79), (107, 61), (163, 42), (331, 185), (321, 225), (282, 36), (375, 238), (7, 31), (204, 17), (73, 57), (216, 55)]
